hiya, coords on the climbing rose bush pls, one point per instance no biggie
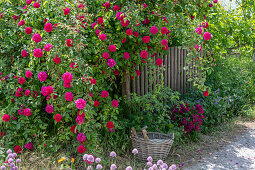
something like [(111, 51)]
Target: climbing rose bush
[(66, 61)]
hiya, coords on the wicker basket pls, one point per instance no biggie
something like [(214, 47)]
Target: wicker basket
[(156, 145)]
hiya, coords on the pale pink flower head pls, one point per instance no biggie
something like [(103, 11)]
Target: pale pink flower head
[(37, 38), (80, 104), (129, 168), (134, 151), (111, 62), (199, 30), (42, 76), (81, 137), (207, 36), (98, 160), (48, 47), (173, 167), (154, 30), (91, 158), (99, 166), (28, 74), (49, 108), (149, 164), (69, 96), (113, 154), (113, 167), (149, 159), (160, 162)]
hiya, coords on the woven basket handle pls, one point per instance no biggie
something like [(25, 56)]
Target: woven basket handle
[(145, 136), (133, 131)]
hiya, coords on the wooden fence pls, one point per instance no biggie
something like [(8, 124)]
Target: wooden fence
[(172, 73)]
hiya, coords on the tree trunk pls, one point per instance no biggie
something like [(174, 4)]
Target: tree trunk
[(126, 84)]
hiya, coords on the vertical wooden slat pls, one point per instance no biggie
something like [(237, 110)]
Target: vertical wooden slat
[(172, 68), (146, 79), (184, 71), (142, 81), (178, 70), (157, 70), (165, 70), (169, 68), (154, 74), (181, 71), (138, 83), (133, 90), (175, 67)]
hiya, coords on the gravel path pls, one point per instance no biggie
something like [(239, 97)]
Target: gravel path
[(239, 154)]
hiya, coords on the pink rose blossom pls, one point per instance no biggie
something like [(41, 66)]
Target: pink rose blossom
[(24, 53), (104, 94), (154, 30), (37, 38), (38, 53), (81, 137), (106, 55), (207, 36), (115, 103), (28, 30), (111, 62), (22, 80), (67, 77), (144, 54), (27, 112), (69, 96), (42, 76), (112, 48), (48, 27), (80, 104), (21, 23), (28, 74), (48, 47), (126, 55), (27, 92), (49, 108), (102, 37)]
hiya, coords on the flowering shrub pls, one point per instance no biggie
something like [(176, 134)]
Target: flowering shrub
[(190, 117)]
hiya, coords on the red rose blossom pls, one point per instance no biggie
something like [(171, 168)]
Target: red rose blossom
[(96, 103), (66, 11), (206, 93), (146, 39), (129, 32), (159, 61), (57, 59), (144, 54), (110, 125), (18, 149), (28, 30), (69, 42), (73, 129), (58, 117), (100, 20), (81, 149), (104, 94), (6, 118), (22, 80), (48, 27)]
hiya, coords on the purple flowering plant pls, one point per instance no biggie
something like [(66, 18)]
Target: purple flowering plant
[(188, 116)]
